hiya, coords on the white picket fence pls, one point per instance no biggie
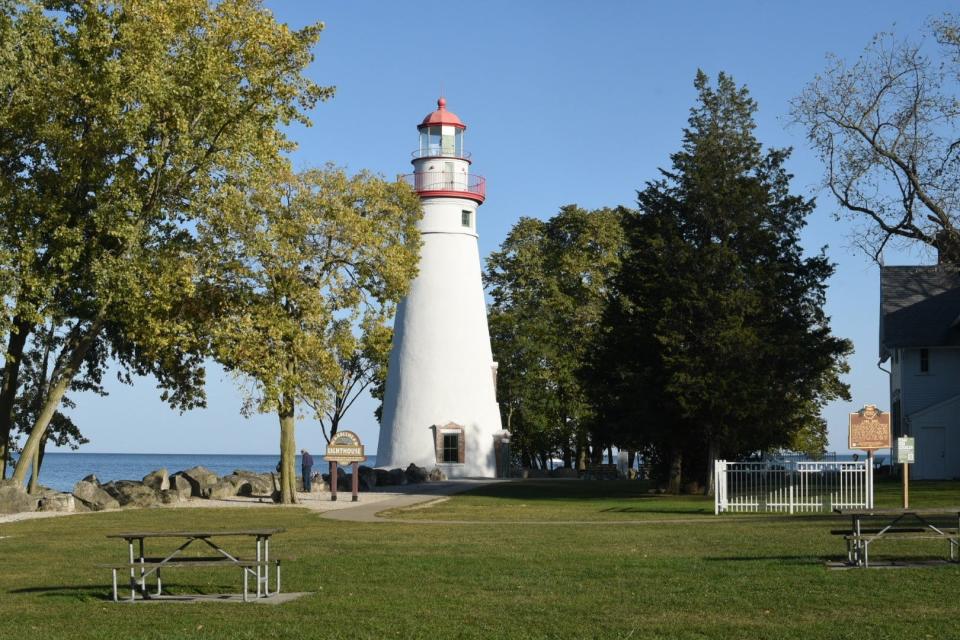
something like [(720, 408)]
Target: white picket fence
[(792, 486)]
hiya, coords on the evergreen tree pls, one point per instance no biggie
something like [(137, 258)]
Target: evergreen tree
[(718, 342)]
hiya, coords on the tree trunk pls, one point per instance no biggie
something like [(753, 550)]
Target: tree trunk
[(37, 464), (288, 451), (676, 472), (711, 459), (610, 454), (8, 392), (79, 343), (567, 456)]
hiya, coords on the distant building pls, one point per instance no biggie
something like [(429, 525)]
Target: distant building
[(920, 336)]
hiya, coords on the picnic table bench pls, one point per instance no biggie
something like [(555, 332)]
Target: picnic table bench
[(142, 566), (941, 523)]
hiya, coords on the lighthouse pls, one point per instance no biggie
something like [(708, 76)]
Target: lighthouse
[(439, 406)]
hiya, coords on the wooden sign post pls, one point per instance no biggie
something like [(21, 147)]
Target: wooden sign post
[(903, 454), (869, 430), (344, 448)]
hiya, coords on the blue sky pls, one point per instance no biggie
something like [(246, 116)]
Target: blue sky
[(565, 102)]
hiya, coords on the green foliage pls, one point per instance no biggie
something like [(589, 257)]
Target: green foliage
[(122, 123), (719, 344), (294, 263), (548, 285)]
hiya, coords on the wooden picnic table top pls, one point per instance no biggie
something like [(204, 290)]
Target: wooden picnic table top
[(196, 534), (923, 511)]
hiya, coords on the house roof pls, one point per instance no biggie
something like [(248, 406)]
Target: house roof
[(919, 307)]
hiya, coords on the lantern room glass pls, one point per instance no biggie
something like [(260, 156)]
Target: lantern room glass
[(434, 141)]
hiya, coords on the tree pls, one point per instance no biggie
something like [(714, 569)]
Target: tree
[(362, 360), (717, 325), (122, 122), (305, 258), (887, 127), (62, 431), (548, 285)]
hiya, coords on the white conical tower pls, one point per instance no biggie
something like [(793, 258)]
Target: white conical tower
[(440, 407)]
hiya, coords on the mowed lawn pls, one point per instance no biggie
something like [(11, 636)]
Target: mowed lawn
[(539, 559)]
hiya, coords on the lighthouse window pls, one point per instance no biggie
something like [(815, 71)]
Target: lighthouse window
[(465, 218), (451, 447)]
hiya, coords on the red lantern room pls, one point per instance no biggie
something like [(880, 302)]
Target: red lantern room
[(441, 164)]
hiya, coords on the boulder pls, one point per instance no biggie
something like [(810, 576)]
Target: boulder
[(222, 490), (63, 502), (201, 480), (344, 481), (397, 477), (383, 477), (159, 480), (368, 478), (92, 496), (15, 499), (92, 478), (181, 485), (260, 483), (416, 474), (437, 475), (172, 496), (241, 484), (130, 493)]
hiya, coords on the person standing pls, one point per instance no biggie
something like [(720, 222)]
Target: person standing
[(306, 468)]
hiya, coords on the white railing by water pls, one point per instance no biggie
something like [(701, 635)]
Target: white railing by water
[(792, 486)]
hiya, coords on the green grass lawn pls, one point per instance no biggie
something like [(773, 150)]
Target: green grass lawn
[(500, 577)]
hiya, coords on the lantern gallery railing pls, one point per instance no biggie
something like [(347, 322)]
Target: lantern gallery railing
[(792, 487), (438, 151), (446, 182)]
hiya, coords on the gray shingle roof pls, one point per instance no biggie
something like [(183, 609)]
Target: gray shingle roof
[(919, 307)]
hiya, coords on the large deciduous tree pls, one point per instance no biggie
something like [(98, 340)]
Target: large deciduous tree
[(121, 122), (718, 342), (887, 127), (548, 287), (303, 260)]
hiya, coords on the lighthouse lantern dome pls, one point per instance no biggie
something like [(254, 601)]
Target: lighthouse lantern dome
[(441, 134)]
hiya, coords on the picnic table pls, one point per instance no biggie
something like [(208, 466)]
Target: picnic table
[(869, 525), (141, 565)]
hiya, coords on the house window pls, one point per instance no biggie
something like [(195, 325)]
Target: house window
[(924, 360), (451, 447), (465, 218)]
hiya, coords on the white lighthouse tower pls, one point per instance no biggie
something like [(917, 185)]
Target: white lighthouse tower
[(439, 406)]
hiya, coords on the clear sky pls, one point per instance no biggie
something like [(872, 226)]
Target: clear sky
[(565, 102)]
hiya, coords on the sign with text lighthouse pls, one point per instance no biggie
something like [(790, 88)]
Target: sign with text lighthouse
[(869, 429), (344, 448)]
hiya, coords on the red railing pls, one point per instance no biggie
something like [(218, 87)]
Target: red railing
[(441, 183)]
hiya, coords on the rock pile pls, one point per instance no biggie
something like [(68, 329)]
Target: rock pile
[(156, 488)]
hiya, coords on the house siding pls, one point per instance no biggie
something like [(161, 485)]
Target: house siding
[(921, 390)]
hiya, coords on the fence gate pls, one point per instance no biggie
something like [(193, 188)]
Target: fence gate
[(792, 486)]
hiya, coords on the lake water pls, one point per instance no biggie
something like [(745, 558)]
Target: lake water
[(61, 471)]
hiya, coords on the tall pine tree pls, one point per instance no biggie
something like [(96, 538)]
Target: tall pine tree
[(718, 344)]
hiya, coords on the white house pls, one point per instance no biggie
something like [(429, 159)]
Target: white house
[(920, 337), (439, 406)]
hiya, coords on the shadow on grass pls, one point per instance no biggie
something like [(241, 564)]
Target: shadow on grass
[(543, 489), (673, 512), (782, 559), (88, 592)]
